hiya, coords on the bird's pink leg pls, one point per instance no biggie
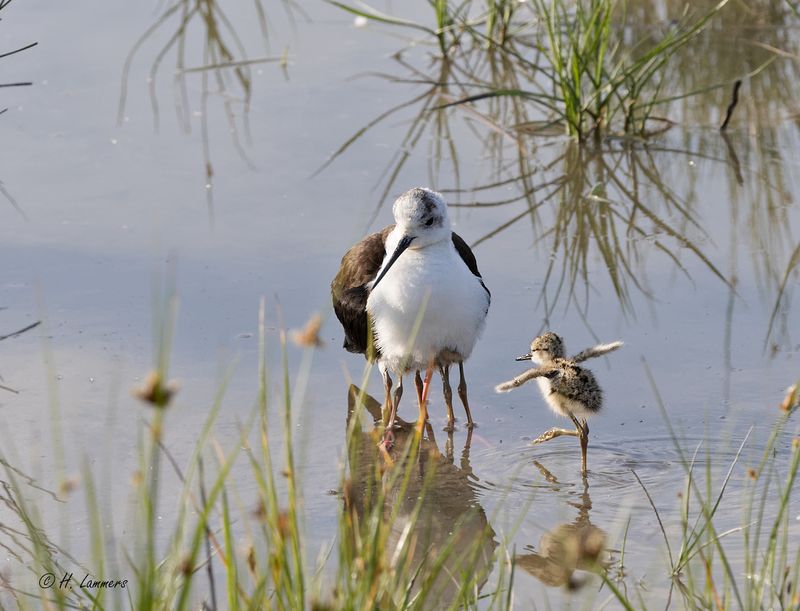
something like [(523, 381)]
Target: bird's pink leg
[(388, 435), (423, 404)]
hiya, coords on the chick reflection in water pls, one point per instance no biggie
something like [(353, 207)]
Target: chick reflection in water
[(436, 536), (570, 547), (569, 389)]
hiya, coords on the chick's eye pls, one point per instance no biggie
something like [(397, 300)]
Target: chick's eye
[(429, 222)]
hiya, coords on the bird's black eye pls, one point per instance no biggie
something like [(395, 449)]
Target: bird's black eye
[(429, 222)]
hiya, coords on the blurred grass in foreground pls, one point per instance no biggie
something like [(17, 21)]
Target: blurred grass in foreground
[(388, 552)]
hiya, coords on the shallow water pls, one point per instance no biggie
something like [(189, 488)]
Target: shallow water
[(703, 229)]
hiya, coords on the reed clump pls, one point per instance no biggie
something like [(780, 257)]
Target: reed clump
[(572, 59)]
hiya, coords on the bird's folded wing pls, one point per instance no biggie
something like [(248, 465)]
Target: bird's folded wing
[(594, 351), (536, 372)]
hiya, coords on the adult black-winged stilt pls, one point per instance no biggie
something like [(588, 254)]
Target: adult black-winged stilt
[(569, 389), (411, 297)]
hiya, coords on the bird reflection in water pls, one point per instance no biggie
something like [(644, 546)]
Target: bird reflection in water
[(434, 515), (568, 552)]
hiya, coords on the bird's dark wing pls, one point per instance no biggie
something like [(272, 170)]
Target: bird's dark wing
[(351, 311), (465, 252), (349, 293)]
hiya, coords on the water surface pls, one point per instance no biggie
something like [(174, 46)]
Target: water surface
[(686, 266)]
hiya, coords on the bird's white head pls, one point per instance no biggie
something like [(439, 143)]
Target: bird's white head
[(421, 215), (420, 220)]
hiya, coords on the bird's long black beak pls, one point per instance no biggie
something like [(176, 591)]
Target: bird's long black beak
[(404, 243), (525, 357)]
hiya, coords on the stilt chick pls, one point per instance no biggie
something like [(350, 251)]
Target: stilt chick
[(569, 389)]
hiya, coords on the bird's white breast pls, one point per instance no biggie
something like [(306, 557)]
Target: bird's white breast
[(430, 287), (560, 404)]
